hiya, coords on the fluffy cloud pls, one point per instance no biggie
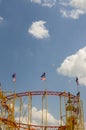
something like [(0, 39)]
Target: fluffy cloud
[(81, 4), (75, 65), (77, 8), (48, 3), (38, 30), (37, 117)]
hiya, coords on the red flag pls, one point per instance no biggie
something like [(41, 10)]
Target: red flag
[(43, 76), (14, 77)]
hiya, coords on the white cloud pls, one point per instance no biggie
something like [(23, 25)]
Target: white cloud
[(73, 8), (1, 19), (37, 117), (68, 8), (38, 30), (80, 4), (74, 14), (64, 3), (75, 65), (36, 1), (47, 3)]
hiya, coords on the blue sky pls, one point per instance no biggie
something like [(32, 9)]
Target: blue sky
[(39, 36)]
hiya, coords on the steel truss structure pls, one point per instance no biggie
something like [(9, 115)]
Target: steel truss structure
[(13, 116)]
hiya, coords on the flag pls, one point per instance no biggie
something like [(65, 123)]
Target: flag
[(77, 82), (43, 76), (14, 77)]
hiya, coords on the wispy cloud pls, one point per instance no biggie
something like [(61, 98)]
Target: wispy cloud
[(29, 52), (1, 19), (72, 8), (38, 30), (47, 3), (74, 14), (75, 65), (68, 8), (36, 1)]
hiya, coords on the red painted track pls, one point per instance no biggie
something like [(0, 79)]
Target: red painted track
[(32, 93), (35, 93), (25, 126)]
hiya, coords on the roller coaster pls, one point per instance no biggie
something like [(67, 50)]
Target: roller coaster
[(16, 110)]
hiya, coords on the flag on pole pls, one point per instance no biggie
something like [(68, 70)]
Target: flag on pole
[(14, 77), (77, 81), (43, 76)]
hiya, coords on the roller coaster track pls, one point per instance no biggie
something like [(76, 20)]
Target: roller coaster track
[(26, 126), (32, 93)]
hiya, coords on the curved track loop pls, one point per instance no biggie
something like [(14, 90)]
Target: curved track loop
[(32, 93), (26, 126)]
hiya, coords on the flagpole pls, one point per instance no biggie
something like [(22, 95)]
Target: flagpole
[(14, 81), (44, 97), (45, 85), (43, 77), (15, 87), (77, 83), (77, 88)]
